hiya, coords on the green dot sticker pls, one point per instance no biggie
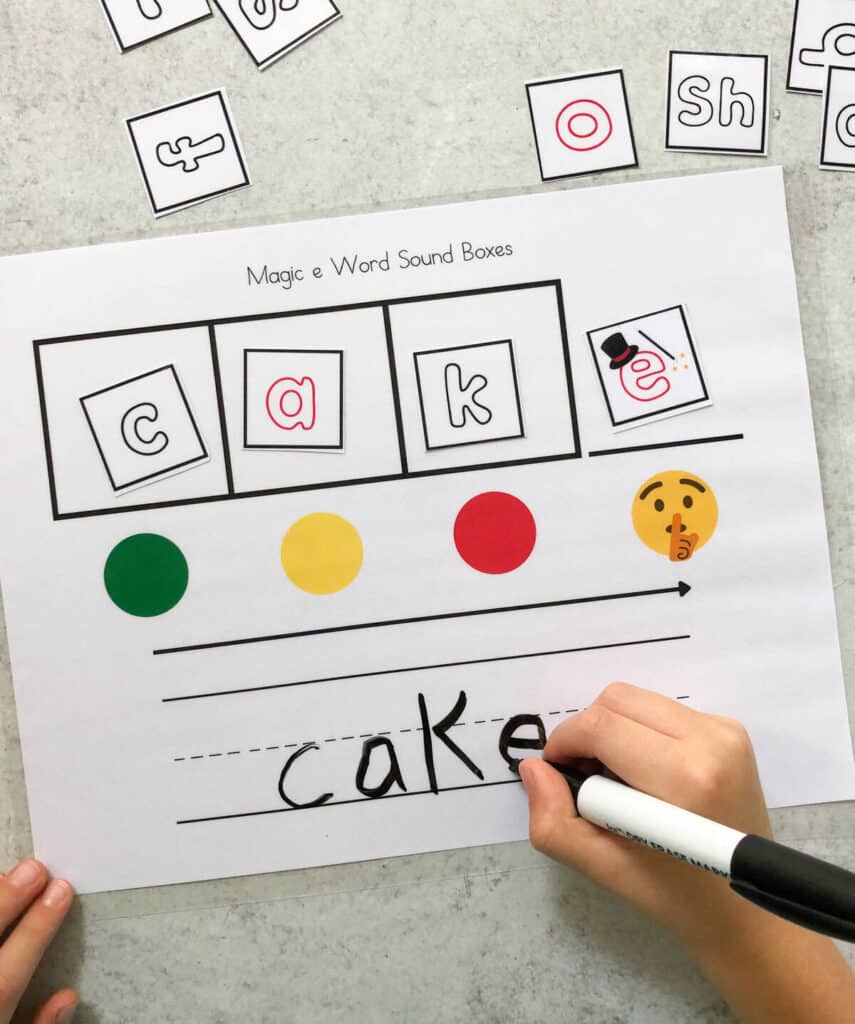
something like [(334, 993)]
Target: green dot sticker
[(146, 575)]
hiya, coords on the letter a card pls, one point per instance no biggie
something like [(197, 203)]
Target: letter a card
[(718, 103), (838, 124), (293, 399), (648, 368), (188, 152)]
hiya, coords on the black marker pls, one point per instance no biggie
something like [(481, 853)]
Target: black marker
[(793, 885)]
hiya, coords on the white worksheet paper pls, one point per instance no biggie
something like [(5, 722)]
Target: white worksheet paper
[(129, 786)]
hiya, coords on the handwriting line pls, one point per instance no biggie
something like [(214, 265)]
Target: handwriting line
[(681, 589), (425, 668), (667, 444), (343, 803)]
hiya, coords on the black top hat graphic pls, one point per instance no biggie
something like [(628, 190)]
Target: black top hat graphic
[(616, 348)]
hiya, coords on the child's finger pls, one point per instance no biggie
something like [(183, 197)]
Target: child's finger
[(19, 888), (642, 757), (646, 707), (59, 1009), (556, 830), (26, 944)]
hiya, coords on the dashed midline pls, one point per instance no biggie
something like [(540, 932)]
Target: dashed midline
[(361, 736), (366, 735)]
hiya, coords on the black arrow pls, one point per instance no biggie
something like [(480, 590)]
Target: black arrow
[(682, 589)]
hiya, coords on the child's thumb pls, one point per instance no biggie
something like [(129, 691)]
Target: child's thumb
[(551, 810), (556, 829)]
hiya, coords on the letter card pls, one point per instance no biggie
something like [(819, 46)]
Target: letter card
[(134, 22), (823, 35), (269, 29), (188, 152), (837, 152)]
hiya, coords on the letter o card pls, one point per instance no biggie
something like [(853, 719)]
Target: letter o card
[(718, 103), (581, 124), (293, 399), (838, 125), (144, 429), (188, 152), (468, 394), (648, 368)]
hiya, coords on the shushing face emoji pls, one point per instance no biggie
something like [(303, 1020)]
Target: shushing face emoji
[(675, 513)]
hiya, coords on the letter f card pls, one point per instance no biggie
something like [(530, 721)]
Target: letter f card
[(648, 368), (188, 152)]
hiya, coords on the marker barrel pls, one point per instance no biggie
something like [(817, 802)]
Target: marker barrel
[(657, 824)]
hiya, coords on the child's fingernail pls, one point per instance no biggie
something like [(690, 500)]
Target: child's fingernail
[(56, 893), (528, 776), (66, 1014), (25, 873)]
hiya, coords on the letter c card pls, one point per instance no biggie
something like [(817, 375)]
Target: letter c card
[(293, 399), (144, 429)]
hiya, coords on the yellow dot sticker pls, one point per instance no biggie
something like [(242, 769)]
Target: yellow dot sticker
[(322, 553)]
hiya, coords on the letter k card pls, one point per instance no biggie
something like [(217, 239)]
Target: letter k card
[(468, 394)]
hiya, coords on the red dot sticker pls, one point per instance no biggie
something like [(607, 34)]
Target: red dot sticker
[(494, 532)]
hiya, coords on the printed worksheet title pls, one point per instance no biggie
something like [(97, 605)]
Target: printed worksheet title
[(357, 264)]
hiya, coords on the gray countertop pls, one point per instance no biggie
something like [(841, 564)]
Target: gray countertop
[(400, 103)]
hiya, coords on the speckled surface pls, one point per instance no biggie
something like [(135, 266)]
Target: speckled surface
[(400, 103)]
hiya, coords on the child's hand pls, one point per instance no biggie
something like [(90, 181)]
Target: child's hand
[(39, 906), (702, 763), (766, 967)]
